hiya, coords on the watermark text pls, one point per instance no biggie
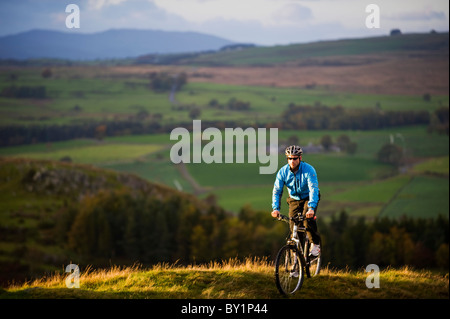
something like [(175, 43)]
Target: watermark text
[(73, 19), (373, 19), (237, 142), (373, 279), (73, 279)]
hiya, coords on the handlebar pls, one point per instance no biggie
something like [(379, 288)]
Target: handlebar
[(296, 219), (283, 218)]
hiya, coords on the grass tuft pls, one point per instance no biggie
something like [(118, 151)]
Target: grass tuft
[(252, 278)]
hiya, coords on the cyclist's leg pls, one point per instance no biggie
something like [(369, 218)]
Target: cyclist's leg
[(311, 226), (295, 207)]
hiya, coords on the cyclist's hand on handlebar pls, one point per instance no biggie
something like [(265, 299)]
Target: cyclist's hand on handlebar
[(310, 213), (275, 214)]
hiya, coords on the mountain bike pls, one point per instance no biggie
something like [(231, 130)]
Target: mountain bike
[(293, 259)]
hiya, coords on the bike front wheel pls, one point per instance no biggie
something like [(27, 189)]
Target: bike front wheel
[(288, 270)]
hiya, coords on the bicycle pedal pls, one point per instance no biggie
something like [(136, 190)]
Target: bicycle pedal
[(312, 258)]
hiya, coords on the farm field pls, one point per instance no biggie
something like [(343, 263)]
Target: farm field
[(382, 74), (356, 183), (81, 94), (347, 181)]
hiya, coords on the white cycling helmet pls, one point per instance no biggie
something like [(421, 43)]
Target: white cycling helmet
[(293, 150)]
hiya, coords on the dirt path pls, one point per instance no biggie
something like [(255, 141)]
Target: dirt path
[(198, 190)]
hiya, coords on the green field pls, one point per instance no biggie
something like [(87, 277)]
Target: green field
[(272, 100), (423, 196), (438, 165), (96, 154), (84, 95), (357, 183)]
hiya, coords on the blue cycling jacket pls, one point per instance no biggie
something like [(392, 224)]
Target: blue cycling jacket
[(301, 185)]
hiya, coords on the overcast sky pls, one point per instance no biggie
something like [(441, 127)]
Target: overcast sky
[(265, 22)]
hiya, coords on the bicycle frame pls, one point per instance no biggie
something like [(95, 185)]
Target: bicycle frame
[(294, 239), (292, 260)]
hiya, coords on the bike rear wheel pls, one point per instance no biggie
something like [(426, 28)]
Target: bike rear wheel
[(288, 270)]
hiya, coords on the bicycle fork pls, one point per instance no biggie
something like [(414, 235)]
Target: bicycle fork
[(297, 243)]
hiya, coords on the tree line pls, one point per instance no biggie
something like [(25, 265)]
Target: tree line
[(24, 92), (298, 118), (30, 134), (20, 134), (322, 117), (417, 242), (163, 81), (233, 104), (120, 225)]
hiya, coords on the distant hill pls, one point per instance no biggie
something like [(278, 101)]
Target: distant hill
[(327, 53), (121, 43)]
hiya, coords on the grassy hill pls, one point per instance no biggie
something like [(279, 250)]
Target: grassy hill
[(327, 53), (251, 279), (38, 203), (52, 213)]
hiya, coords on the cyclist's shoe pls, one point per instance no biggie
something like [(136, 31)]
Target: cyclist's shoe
[(294, 274), (315, 250)]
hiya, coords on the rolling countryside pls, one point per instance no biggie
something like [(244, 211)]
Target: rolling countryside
[(91, 141)]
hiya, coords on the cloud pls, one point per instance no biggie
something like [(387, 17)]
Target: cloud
[(257, 33), (100, 15), (100, 4), (257, 21), (292, 13), (200, 11), (418, 16)]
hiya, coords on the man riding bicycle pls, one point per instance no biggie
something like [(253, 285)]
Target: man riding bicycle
[(300, 179)]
